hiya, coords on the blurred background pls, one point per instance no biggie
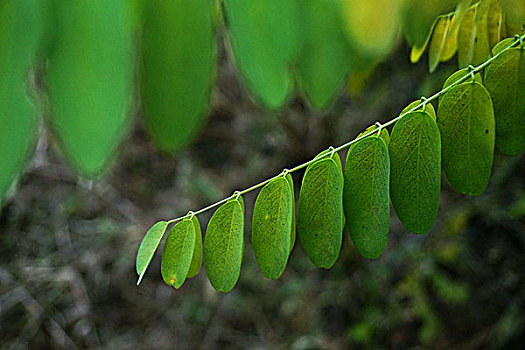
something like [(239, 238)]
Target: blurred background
[(68, 243)]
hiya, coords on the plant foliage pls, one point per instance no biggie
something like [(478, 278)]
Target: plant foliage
[(404, 168)]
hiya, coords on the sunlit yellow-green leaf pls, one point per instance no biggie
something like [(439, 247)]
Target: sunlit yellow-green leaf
[(481, 43), (466, 38), (439, 37), (372, 25)]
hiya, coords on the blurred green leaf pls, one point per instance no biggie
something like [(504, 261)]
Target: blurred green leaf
[(264, 40), (177, 70), (89, 80), (19, 39)]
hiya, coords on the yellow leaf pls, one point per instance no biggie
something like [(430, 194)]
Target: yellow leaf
[(437, 43), (481, 43), (494, 23), (451, 42), (372, 25), (466, 37)]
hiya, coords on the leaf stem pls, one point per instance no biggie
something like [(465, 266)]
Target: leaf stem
[(518, 40)]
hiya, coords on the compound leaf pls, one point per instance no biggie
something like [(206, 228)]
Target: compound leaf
[(320, 213), (177, 253), (148, 246), (505, 81), (365, 197), (178, 69), (272, 220), (466, 123), (196, 260), (224, 246), (415, 170), (90, 80)]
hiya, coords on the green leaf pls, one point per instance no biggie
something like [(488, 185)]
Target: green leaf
[(505, 81), (502, 45), (325, 58), (418, 18), (385, 136), (466, 123), (371, 30), (90, 80), (428, 108), (264, 40), (466, 38), (365, 197), (292, 232), (223, 246), (272, 220), (320, 213), (439, 37), (457, 75), (481, 44), (177, 253), (196, 260), (495, 23), (415, 170), (19, 38), (148, 246), (178, 69)]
